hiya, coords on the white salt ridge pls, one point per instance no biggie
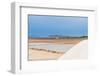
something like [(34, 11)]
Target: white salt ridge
[(79, 51), (52, 46)]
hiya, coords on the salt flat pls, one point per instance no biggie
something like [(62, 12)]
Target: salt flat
[(52, 46)]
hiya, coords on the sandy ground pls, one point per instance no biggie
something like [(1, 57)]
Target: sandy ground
[(43, 55), (36, 54), (60, 41)]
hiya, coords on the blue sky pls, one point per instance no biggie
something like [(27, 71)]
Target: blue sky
[(43, 26)]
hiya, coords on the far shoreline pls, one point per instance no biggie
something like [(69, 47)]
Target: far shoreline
[(58, 41)]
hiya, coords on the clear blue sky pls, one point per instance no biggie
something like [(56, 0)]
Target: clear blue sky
[(43, 26)]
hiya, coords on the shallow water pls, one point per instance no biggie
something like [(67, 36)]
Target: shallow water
[(52, 46)]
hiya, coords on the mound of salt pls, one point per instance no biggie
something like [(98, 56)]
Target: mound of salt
[(79, 51)]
